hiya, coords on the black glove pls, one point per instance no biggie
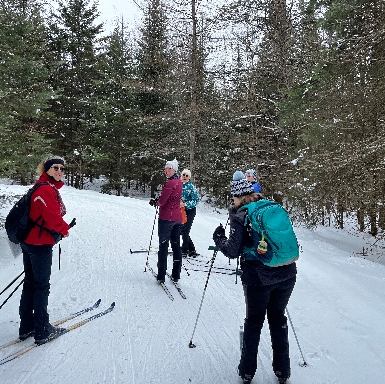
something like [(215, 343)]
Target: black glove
[(154, 202), (218, 233)]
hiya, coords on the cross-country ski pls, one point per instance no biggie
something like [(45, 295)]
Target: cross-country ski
[(58, 322), (23, 351)]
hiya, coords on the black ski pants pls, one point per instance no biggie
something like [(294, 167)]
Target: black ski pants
[(169, 231), (187, 243), (33, 312), (271, 300)]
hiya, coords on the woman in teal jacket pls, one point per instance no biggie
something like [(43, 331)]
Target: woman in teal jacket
[(190, 198)]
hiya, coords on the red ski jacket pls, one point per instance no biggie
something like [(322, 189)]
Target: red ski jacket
[(45, 203)]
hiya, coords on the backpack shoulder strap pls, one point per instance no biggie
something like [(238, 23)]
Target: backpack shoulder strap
[(247, 209), (35, 222), (36, 186)]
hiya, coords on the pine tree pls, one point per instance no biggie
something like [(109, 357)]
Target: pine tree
[(74, 44), (338, 108), (116, 114), (25, 94), (154, 90)]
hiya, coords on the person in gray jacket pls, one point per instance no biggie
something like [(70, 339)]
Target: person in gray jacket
[(267, 290)]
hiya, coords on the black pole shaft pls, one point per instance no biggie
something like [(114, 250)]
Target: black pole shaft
[(191, 345), (152, 233), (59, 256), (21, 282), (304, 364), (11, 283)]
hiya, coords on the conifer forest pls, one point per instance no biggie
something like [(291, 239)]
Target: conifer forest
[(294, 89)]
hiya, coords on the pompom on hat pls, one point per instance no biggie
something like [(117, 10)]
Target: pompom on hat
[(241, 187), (172, 164), (238, 175), (252, 172), (51, 160)]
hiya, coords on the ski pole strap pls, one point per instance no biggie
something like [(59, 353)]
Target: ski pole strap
[(57, 236)]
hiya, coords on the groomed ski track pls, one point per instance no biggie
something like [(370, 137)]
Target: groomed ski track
[(145, 339)]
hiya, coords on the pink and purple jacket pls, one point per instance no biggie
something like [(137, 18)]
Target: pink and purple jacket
[(169, 201)]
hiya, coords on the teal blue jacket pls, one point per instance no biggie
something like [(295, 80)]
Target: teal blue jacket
[(190, 195)]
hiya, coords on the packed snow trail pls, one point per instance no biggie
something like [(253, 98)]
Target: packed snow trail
[(64, 331), (337, 307)]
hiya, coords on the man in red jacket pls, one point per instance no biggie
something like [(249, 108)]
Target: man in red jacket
[(47, 210), (170, 222)]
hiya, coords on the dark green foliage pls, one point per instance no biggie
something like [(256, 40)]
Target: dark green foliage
[(73, 43), (338, 115), (24, 92)]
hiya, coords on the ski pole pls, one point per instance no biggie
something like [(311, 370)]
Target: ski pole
[(304, 364), (10, 283), (237, 269), (204, 266), (21, 282), (191, 344), (71, 224), (141, 251), (152, 233), (184, 267), (216, 271), (227, 221), (59, 256)]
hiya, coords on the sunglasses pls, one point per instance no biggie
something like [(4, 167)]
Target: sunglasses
[(184, 174), (56, 168)]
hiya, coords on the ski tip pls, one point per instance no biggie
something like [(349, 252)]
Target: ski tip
[(113, 304), (98, 302)]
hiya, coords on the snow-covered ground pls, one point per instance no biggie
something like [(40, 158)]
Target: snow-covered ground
[(337, 307)]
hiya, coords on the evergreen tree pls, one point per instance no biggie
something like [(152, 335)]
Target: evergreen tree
[(158, 131), (25, 94), (116, 118), (197, 106), (262, 36), (74, 44), (339, 111)]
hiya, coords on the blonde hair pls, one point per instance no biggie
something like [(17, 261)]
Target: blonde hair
[(40, 168)]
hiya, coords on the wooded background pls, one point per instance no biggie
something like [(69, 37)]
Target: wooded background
[(293, 89)]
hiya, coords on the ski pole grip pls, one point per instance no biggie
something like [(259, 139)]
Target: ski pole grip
[(213, 248), (72, 223)]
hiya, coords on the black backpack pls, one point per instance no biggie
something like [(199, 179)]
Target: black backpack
[(18, 224)]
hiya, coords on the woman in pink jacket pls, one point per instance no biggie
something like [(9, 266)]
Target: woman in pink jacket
[(170, 222)]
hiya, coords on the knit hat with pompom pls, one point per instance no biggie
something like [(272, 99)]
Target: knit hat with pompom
[(172, 164)]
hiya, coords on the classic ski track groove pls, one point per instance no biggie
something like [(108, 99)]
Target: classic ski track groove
[(79, 324), (58, 322)]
